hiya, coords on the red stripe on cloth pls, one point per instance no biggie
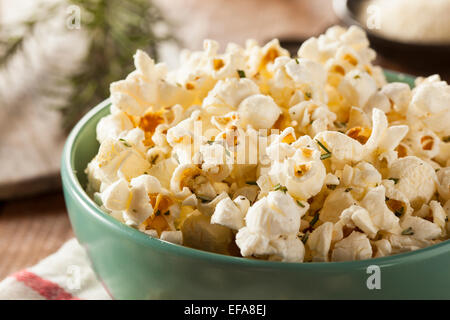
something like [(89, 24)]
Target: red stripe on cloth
[(49, 290)]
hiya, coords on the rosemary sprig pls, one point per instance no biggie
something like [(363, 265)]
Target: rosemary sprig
[(115, 29)]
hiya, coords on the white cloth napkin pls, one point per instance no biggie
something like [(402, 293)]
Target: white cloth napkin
[(64, 275)]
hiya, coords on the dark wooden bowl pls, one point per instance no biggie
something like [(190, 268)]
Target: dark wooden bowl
[(420, 55)]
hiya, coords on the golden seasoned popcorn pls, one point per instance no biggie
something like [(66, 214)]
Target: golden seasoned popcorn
[(253, 153)]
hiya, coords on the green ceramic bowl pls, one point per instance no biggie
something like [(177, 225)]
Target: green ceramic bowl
[(132, 265)]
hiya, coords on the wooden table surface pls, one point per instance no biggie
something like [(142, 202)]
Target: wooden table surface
[(31, 229)]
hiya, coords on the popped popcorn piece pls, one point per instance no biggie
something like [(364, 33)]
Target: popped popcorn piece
[(172, 236), (382, 248), (419, 228), (382, 217), (416, 179), (250, 111), (229, 214), (354, 247), (319, 241)]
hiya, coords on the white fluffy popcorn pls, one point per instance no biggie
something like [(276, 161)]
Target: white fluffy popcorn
[(354, 247), (253, 153), (231, 213), (302, 174), (259, 111), (319, 241), (416, 179), (275, 215)]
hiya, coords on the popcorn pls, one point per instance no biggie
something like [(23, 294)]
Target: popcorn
[(188, 179), (405, 243), (443, 178), (357, 87), (420, 228), (382, 217), (439, 215), (250, 149), (399, 95), (302, 174), (275, 215), (361, 219), (172, 236), (416, 179), (229, 214), (112, 125), (249, 111), (116, 196), (336, 202), (286, 248), (228, 94), (363, 175), (382, 248), (424, 143), (145, 88), (319, 241), (430, 104), (354, 247)]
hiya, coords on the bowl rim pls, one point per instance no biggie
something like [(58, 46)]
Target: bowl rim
[(72, 185)]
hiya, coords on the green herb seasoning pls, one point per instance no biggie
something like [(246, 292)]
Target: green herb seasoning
[(446, 139), (203, 199), (399, 212), (331, 186), (253, 183), (408, 232), (325, 156), (327, 153), (314, 219), (125, 143), (280, 187), (241, 73), (296, 61), (300, 204), (158, 213)]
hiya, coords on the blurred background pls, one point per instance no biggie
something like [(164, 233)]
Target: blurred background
[(58, 57)]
